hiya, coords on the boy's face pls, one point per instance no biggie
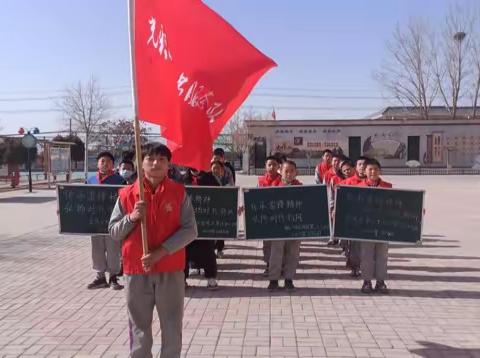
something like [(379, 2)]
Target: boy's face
[(373, 172), (104, 165), (327, 157), (335, 162), (347, 170), (271, 166), (360, 168), (289, 172), (126, 166), (155, 166), (217, 170), (218, 158)]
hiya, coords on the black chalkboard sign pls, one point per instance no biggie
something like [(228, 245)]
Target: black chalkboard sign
[(288, 212), (85, 209), (377, 214), (215, 211)]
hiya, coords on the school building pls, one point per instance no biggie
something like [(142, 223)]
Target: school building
[(395, 136)]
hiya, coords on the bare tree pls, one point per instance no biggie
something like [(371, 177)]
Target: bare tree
[(85, 106), (235, 133), (408, 73), (451, 58)]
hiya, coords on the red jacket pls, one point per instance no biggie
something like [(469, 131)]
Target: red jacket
[(328, 176), (355, 180), (335, 180), (163, 219), (269, 180), (322, 169), (379, 184), (294, 182)]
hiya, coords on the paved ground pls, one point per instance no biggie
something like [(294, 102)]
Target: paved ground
[(433, 309)]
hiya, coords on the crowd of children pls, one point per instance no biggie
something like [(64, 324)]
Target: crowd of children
[(158, 279), (365, 259)]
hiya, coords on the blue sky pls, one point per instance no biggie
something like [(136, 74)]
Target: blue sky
[(323, 48)]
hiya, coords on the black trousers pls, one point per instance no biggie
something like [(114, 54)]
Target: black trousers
[(202, 254), (220, 245)]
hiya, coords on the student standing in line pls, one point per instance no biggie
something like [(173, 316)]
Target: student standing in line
[(219, 154), (323, 167), (374, 255), (106, 253), (353, 249), (270, 178), (334, 175), (284, 254), (201, 253)]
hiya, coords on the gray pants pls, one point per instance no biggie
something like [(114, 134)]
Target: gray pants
[(106, 254), (165, 292), (374, 258), (266, 251), (284, 253)]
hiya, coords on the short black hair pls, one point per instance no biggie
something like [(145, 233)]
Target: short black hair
[(280, 157), (326, 151), (106, 154), (272, 157), (361, 158), (219, 151), (290, 162), (156, 149), (127, 161), (373, 161), (346, 161)]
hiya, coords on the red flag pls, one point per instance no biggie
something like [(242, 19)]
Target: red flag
[(192, 72)]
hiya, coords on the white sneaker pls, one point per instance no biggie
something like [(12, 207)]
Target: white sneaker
[(212, 284)]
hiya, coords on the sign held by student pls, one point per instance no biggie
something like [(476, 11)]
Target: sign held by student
[(287, 212), (378, 214), (215, 211), (85, 209)]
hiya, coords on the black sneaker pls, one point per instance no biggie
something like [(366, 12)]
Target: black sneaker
[(381, 287), (114, 285), (367, 287), (273, 285), (99, 282), (289, 285)]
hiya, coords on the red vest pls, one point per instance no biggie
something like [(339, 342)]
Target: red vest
[(355, 180), (379, 184), (163, 219), (268, 180), (329, 176), (322, 169)]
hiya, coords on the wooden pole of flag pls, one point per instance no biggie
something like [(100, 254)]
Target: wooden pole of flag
[(138, 155), (136, 121)]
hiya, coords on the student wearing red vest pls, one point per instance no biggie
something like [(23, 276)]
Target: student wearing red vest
[(270, 178), (284, 254), (359, 175), (323, 167), (332, 171), (155, 279), (353, 248), (374, 255)]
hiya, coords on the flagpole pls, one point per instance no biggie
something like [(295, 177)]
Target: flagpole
[(136, 122)]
